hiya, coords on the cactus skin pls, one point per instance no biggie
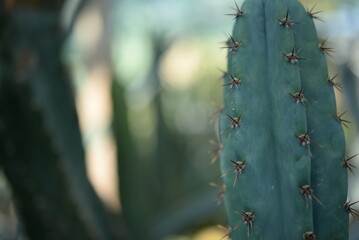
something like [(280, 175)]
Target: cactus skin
[(278, 164), (327, 166)]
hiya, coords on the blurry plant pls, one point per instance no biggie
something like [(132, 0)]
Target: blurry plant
[(167, 166), (174, 201), (41, 150)]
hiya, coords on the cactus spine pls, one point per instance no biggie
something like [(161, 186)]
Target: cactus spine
[(283, 144)]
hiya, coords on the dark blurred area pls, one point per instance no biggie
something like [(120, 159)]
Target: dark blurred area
[(105, 115)]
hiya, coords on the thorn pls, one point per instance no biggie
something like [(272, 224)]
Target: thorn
[(304, 140), (248, 220), (307, 192), (348, 207), (217, 113), (299, 97), (348, 165), (216, 151), (238, 168), (293, 57), (313, 14), (224, 73), (235, 45), (222, 190), (326, 50), (228, 40), (309, 236), (336, 85), (227, 229), (235, 123), (287, 22), (238, 12), (343, 121), (235, 82)]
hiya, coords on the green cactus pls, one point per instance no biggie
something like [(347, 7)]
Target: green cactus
[(283, 144)]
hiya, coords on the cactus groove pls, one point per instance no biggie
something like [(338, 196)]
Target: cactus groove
[(283, 141)]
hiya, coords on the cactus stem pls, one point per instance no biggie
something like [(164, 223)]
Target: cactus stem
[(313, 14), (293, 57), (343, 121), (334, 84), (348, 165), (216, 151), (222, 190), (238, 12), (235, 122), (280, 57), (235, 45), (287, 22), (348, 207), (248, 220), (238, 168), (299, 97), (307, 192), (326, 50), (309, 236)]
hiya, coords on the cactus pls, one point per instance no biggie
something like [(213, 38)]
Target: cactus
[(283, 143)]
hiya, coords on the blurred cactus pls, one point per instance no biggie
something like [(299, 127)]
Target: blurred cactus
[(283, 143), (41, 150), (131, 198), (163, 188)]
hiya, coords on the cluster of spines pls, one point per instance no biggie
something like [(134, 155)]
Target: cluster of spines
[(293, 57)]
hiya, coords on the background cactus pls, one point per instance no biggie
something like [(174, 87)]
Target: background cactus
[(283, 145), (41, 146)]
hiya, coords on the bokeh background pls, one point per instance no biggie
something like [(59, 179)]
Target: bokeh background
[(144, 76)]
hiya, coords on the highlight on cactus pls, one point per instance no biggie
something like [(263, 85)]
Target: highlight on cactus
[(282, 163)]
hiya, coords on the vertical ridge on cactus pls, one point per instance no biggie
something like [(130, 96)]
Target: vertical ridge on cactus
[(292, 152)]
